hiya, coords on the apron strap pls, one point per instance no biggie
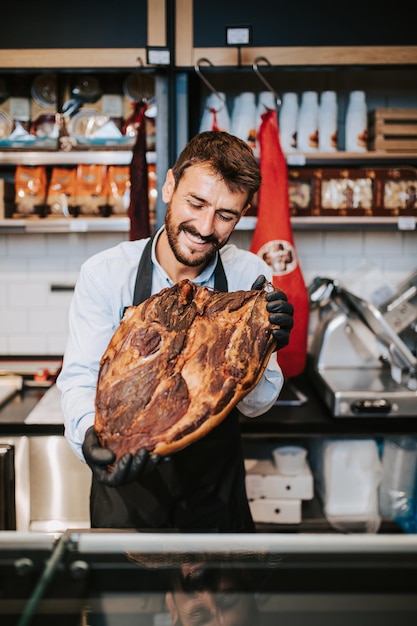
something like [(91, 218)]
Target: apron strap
[(220, 280), (143, 284)]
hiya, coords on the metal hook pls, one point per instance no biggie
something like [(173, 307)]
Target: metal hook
[(263, 79), (207, 83)]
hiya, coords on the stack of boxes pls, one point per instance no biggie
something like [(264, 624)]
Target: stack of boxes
[(274, 496)]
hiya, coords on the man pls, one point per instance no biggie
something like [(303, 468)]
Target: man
[(202, 487), (211, 596)]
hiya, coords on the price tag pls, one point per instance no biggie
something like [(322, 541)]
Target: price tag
[(296, 159), (406, 223), (78, 226), (158, 56), (236, 36)]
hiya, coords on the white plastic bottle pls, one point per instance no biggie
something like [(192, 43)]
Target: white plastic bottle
[(266, 101), (356, 128), (308, 122), (243, 122), (215, 113), (328, 128), (399, 465), (288, 117)]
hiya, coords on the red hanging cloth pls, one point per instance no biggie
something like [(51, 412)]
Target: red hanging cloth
[(273, 241), (139, 198), (214, 123)]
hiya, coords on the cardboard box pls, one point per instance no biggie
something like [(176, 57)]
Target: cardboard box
[(263, 481), (276, 511)]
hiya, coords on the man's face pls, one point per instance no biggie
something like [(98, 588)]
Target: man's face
[(217, 603), (201, 214)]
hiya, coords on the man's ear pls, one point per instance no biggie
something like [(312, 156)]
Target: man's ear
[(171, 606), (168, 187)]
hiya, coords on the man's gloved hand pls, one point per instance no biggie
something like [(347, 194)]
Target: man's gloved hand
[(101, 462), (281, 312)]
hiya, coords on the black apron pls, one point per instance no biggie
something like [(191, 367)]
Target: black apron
[(200, 488)]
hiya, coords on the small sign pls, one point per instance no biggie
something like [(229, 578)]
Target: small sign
[(238, 35), (296, 159), (158, 56), (406, 222)]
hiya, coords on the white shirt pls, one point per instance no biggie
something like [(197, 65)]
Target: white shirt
[(104, 288)]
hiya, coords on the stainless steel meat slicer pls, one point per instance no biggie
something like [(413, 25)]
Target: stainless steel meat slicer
[(363, 356)]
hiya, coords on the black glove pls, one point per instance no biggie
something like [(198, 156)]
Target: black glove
[(281, 312), (101, 462)]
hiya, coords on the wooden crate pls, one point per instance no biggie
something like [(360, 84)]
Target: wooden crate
[(393, 130)]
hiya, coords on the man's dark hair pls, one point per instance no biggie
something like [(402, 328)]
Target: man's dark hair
[(230, 157)]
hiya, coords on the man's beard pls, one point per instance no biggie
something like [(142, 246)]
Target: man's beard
[(173, 232)]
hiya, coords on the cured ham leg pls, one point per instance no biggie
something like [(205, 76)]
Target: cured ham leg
[(177, 365)]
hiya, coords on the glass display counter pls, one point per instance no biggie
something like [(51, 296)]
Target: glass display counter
[(100, 578)]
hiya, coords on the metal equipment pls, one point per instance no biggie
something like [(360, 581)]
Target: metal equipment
[(364, 357)]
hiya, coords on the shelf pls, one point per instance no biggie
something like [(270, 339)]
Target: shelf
[(247, 223), (364, 159), (73, 157), (123, 157), (406, 223), (122, 224), (65, 225), (82, 225)]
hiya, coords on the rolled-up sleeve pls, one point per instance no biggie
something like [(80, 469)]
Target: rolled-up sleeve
[(266, 392), (92, 322)]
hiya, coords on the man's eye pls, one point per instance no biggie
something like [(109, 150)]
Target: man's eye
[(226, 217), (195, 205), (228, 599)]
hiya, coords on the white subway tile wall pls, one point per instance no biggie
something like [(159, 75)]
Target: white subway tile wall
[(34, 319)]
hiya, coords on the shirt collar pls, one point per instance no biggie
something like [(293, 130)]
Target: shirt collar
[(206, 278)]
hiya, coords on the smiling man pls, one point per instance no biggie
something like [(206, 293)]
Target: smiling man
[(202, 487), (209, 596)]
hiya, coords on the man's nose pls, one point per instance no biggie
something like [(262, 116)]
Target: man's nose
[(206, 223)]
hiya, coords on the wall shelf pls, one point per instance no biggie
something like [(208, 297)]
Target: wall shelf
[(122, 224), (123, 157), (72, 157)]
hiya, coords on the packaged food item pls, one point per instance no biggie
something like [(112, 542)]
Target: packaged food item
[(118, 189), (30, 188), (61, 191), (90, 186)]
